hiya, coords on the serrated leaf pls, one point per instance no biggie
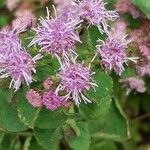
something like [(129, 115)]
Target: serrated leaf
[(10, 121), (81, 142), (94, 111), (104, 89), (115, 126), (49, 120), (48, 138), (143, 5), (104, 145), (26, 112)]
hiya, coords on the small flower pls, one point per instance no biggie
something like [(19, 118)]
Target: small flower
[(145, 51), (12, 4), (23, 22), (124, 6), (19, 66), (48, 83), (75, 79), (51, 101), (69, 12), (95, 13), (143, 70), (112, 52), (134, 83), (34, 98), (56, 37), (9, 42)]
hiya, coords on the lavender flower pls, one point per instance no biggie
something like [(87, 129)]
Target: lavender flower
[(69, 12), (112, 52), (134, 83), (95, 13), (34, 98), (9, 42), (12, 4), (143, 70), (51, 101), (19, 66), (75, 79), (56, 37), (22, 22)]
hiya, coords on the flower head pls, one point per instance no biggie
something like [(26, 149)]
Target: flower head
[(75, 79), (95, 13), (56, 37), (48, 83), (12, 4), (112, 52), (19, 66), (23, 22), (51, 101), (34, 98), (9, 42), (134, 83), (143, 70)]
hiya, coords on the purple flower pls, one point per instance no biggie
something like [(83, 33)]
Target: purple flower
[(9, 42), (95, 13), (143, 70), (134, 83), (112, 52), (34, 98), (19, 66), (51, 101), (69, 12), (75, 79), (23, 22), (56, 37), (12, 4)]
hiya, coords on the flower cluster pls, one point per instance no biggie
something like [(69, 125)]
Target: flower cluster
[(134, 83), (112, 52), (56, 37), (15, 61), (95, 13), (75, 79)]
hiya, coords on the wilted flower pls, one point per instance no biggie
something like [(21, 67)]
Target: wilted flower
[(75, 79), (95, 13), (134, 83), (112, 52), (9, 42), (19, 66), (48, 83), (34, 98), (56, 37), (51, 101)]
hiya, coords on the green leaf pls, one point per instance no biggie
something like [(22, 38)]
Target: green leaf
[(27, 113), (10, 121), (48, 138), (104, 145), (104, 89), (49, 120), (143, 5), (115, 126), (94, 111), (35, 146), (81, 142)]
